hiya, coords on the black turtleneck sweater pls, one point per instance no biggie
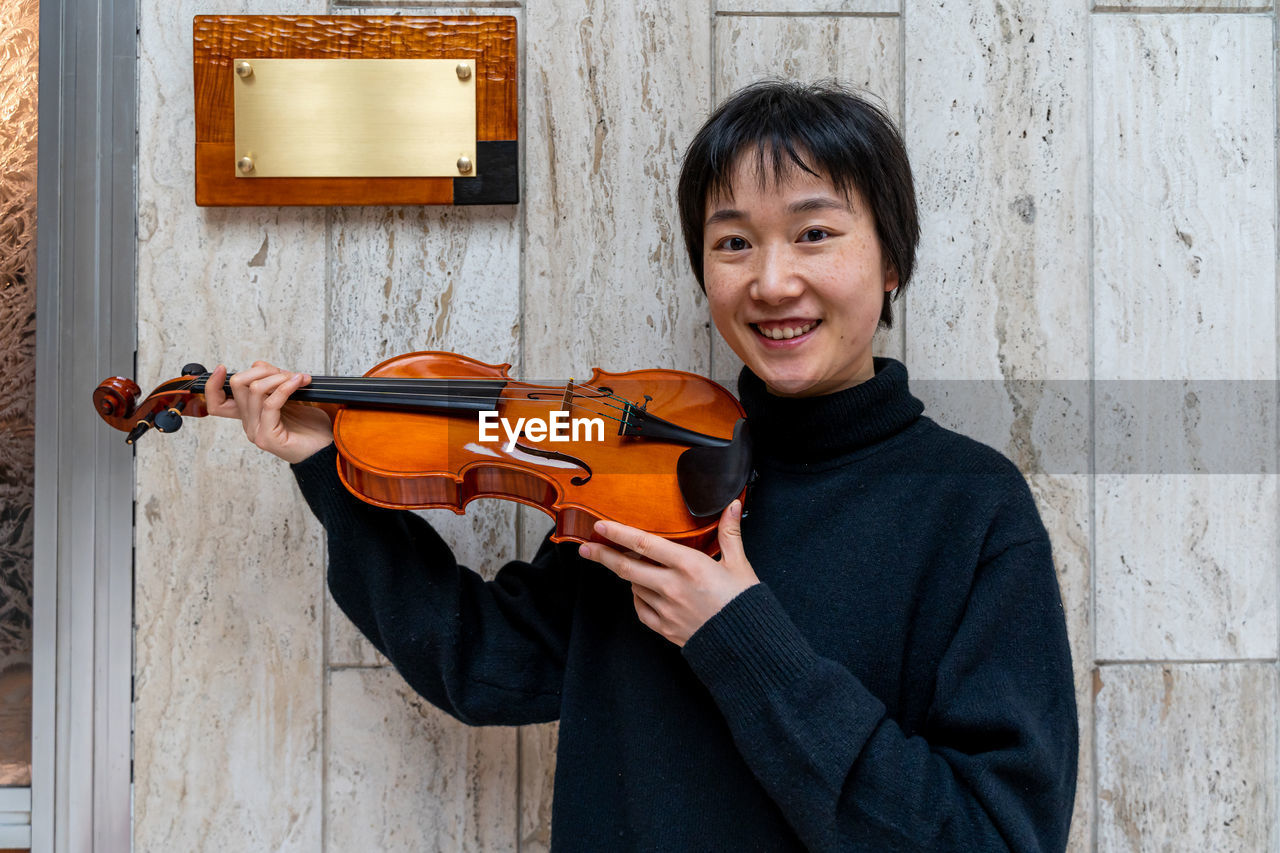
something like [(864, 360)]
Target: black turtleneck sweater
[(898, 680)]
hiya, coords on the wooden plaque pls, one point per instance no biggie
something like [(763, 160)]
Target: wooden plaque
[(488, 43)]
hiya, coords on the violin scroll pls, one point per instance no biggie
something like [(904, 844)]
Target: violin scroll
[(115, 400)]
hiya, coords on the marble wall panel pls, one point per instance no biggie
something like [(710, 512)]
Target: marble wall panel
[(614, 93), (228, 667), (1186, 567), (1187, 757), (537, 744), (1064, 508), (996, 128), (1184, 206), (404, 776), (1184, 197), (227, 707), (995, 114), (537, 780), (859, 52)]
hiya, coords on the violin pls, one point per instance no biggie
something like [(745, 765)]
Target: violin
[(661, 450)]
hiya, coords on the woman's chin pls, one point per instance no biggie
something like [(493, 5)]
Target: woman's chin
[(791, 386)]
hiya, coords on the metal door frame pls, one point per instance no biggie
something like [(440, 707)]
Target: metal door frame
[(82, 655)]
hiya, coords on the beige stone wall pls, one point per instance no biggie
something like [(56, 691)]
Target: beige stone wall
[(1098, 194)]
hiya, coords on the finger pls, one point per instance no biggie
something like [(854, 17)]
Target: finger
[(647, 545), (648, 614), (661, 580), (215, 398), (730, 533), (625, 566), (265, 421), (242, 388), (285, 384), (277, 398), (239, 382)]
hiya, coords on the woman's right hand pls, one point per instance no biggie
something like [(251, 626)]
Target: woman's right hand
[(259, 399)]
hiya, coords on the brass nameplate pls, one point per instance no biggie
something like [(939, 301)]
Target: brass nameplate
[(354, 118)]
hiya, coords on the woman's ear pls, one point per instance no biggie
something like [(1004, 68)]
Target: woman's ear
[(890, 278)]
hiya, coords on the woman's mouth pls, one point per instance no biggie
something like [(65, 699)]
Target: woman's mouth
[(786, 330)]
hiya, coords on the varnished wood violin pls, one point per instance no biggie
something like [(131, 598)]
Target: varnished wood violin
[(661, 450)]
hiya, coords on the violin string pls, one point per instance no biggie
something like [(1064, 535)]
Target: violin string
[(429, 395), (373, 384), (380, 384), (428, 387)]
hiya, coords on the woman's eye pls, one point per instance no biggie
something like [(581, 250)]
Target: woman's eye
[(815, 234), (733, 244)]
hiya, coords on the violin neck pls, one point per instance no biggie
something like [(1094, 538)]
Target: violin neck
[(407, 395)]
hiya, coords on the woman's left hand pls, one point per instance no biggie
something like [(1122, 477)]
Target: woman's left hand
[(675, 588)]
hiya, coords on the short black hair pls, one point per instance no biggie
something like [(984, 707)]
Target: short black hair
[(844, 135)]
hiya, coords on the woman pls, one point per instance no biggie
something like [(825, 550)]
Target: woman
[(878, 661)]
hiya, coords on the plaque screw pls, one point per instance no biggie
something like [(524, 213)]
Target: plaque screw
[(244, 69), (464, 71), (244, 165), (464, 164)]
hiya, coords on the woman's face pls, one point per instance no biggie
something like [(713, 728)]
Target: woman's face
[(796, 279)]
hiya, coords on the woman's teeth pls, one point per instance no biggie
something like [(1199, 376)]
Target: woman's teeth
[(783, 333)]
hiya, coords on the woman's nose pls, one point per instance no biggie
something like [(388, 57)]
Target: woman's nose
[(776, 278)]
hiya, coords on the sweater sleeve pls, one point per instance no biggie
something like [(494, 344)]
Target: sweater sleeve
[(486, 652), (994, 766)]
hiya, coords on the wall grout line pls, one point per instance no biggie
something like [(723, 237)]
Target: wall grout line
[(712, 71), (324, 562), (902, 130), (1275, 223), (325, 681), (1185, 662), (522, 126), (1170, 10), (1095, 664)]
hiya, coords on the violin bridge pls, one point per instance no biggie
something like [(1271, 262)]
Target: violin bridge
[(566, 403)]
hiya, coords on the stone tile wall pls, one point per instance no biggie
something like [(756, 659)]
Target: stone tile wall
[(1098, 197)]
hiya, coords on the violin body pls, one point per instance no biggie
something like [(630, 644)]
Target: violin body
[(455, 429)]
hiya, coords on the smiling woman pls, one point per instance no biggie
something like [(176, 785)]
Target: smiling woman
[(878, 660), (800, 220), (795, 277)]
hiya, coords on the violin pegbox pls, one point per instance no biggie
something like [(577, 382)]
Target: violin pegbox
[(117, 401)]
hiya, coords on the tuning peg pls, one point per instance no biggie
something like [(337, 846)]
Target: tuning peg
[(136, 433), (169, 420), (195, 368)]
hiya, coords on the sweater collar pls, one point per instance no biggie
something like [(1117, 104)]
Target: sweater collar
[(811, 429)]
